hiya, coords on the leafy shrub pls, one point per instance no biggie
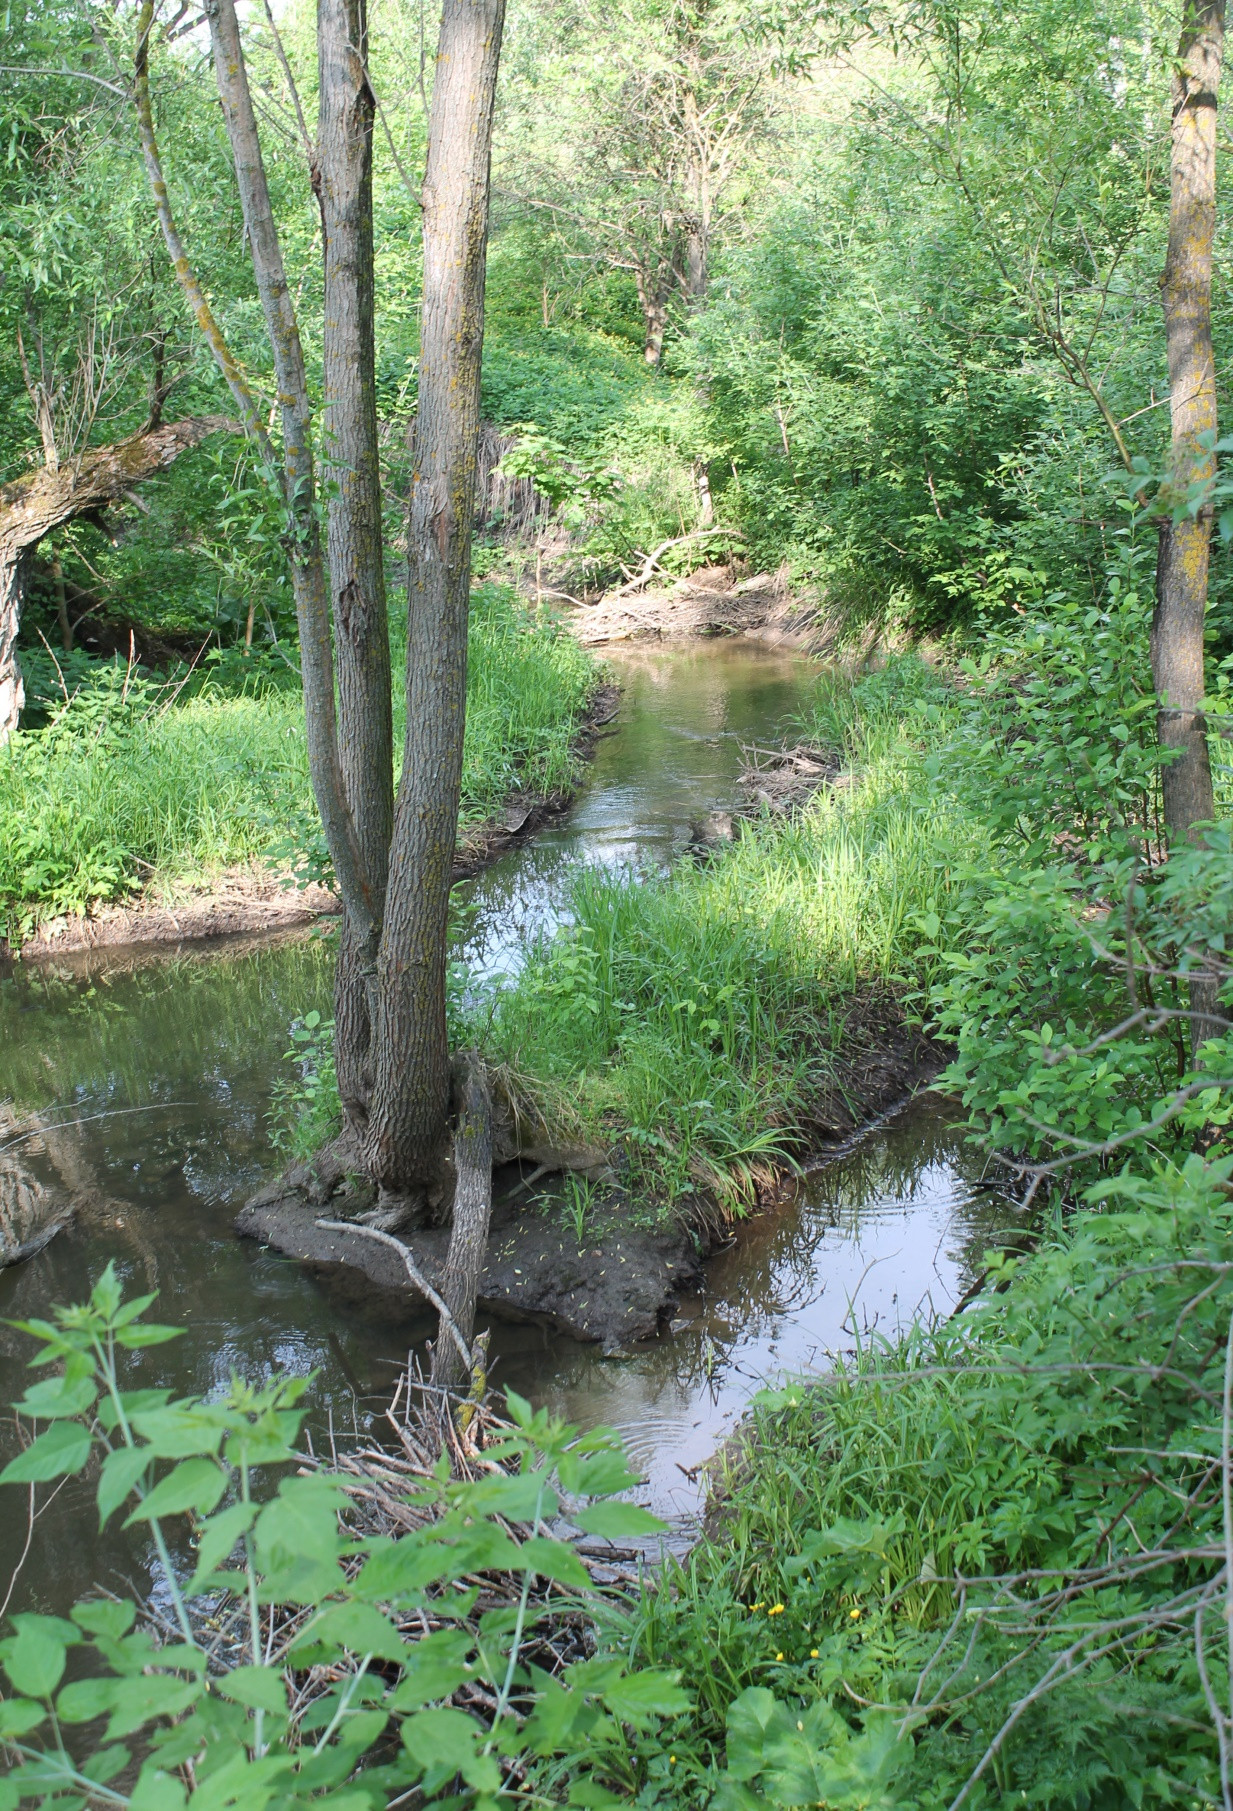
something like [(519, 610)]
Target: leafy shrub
[(337, 1694)]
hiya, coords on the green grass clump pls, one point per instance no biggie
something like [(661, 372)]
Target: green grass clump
[(696, 1019), (131, 785), (993, 1535)]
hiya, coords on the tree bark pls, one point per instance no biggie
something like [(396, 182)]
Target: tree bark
[(32, 507), (304, 550), (653, 289), (1182, 564), (343, 181), (472, 1213), (408, 1114)]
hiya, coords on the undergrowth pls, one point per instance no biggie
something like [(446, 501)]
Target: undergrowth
[(137, 784), (993, 1544)]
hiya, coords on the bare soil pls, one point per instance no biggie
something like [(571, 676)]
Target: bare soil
[(714, 601)]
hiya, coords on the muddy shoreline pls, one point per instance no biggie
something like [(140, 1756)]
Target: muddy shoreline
[(623, 1284), (255, 898)]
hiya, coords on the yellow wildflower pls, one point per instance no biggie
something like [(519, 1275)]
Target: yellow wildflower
[(776, 1609), (854, 1614), (813, 1653), (779, 1656)]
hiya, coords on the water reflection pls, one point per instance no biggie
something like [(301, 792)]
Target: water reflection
[(891, 1232), (152, 1076)]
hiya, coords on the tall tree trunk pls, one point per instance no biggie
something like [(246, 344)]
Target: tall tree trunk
[(12, 691), (410, 1102), (33, 506), (1182, 564), (304, 550), (343, 180), (1185, 546)]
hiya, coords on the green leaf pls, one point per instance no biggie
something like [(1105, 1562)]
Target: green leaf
[(441, 1743), (18, 1716), (218, 1536), (259, 1687), (54, 1397), (122, 1470), (556, 1560), (157, 1791), (63, 1449), (194, 1484), (356, 1626), (148, 1335), (618, 1521), (181, 1430), (103, 1616), (640, 1698), (34, 1657), (297, 1539), (139, 1700), (433, 1667)]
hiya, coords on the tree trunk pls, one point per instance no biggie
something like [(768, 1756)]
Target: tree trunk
[(32, 507), (308, 579), (343, 180), (1182, 565), (1185, 546), (472, 1212), (12, 691), (653, 296), (410, 1101)]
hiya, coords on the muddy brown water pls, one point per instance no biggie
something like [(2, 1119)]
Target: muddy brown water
[(158, 1070)]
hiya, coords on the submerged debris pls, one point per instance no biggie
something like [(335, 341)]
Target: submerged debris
[(785, 779)]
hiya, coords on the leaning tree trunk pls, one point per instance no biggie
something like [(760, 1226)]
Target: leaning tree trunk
[(343, 180), (1182, 565), (411, 1086), (32, 507)]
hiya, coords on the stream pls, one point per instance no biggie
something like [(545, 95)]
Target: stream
[(157, 1071)]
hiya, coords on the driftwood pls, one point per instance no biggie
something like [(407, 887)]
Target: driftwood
[(651, 565)]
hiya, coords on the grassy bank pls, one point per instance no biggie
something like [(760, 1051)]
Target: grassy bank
[(702, 1022), (132, 787), (980, 1557)]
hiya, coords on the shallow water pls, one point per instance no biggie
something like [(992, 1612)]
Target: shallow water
[(157, 1071)]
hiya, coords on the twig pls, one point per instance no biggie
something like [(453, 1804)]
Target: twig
[(413, 1271)]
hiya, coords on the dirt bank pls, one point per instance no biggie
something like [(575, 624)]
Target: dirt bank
[(712, 602), (622, 1283), (255, 897)]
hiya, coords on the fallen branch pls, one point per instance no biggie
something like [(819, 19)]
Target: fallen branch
[(417, 1276), (651, 564), (469, 1228)]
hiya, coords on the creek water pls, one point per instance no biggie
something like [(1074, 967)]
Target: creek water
[(157, 1072)]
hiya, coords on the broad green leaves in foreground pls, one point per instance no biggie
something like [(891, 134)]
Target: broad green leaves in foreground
[(183, 1728)]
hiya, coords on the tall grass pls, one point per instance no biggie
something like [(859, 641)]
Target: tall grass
[(130, 787), (1012, 1517), (698, 1018)]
